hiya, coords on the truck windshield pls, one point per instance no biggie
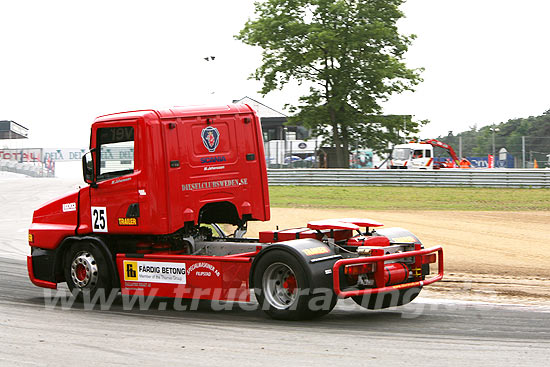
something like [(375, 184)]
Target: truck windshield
[(116, 152), (401, 153)]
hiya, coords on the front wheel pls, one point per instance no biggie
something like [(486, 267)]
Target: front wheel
[(378, 301), (283, 290), (87, 271)]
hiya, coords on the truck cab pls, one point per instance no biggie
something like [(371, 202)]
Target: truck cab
[(153, 172), (412, 156)]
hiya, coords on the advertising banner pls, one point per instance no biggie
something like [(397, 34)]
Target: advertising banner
[(491, 161), (64, 154), (21, 155)]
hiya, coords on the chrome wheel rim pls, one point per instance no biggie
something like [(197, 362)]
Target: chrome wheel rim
[(280, 286), (84, 270)]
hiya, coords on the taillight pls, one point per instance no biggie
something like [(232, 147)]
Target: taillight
[(359, 269), (31, 238), (428, 259)]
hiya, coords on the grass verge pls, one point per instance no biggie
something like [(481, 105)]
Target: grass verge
[(420, 198)]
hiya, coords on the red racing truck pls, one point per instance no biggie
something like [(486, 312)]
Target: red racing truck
[(160, 183)]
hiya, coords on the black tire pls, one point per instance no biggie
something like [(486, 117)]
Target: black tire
[(325, 310), (87, 271), (399, 297), (283, 290)]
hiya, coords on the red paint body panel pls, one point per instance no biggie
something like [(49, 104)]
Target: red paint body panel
[(361, 222), (297, 233), (368, 241), (85, 223), (206, 277), (288, 234), (54, 221), (331, 224)]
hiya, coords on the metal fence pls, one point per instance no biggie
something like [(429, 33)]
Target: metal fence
[(508, 152), (511, 151), (29, 169), (511, 178)]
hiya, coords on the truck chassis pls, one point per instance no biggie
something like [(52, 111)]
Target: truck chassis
[(295, 274)]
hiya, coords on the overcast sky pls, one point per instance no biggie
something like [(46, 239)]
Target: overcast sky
[(65, 62)]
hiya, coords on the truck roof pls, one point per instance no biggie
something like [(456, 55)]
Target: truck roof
[(414, 146), (175, 112)]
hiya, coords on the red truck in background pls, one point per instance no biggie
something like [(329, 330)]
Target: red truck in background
[(159, 183)]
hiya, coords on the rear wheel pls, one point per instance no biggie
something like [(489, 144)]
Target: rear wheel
[(378, 301), (283, 290), (87, 271), (279, 285)]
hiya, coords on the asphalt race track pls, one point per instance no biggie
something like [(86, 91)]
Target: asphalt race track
[(425, 332)]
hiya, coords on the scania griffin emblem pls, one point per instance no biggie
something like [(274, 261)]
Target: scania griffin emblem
[(210, 138)]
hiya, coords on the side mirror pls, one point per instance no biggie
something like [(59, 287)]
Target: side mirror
[(88, 169)]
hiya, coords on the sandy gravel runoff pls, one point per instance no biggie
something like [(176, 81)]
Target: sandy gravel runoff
[(489, 256), (477, 242)]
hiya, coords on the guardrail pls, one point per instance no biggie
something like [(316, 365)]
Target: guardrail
[(28, 169), (512, 178)]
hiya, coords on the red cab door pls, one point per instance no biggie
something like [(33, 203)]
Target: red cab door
[(114, 206)]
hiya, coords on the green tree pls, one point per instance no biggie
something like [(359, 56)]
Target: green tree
[(534, 129), (350, 55)]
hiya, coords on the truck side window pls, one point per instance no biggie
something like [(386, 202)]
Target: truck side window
[(428, 154), (115, 152)]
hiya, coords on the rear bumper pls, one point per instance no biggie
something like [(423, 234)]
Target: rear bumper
[(379, 260), (34, 280)]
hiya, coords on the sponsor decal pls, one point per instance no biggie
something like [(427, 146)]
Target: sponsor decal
[(132, 284), (210, 168), (406, 239), (127, 222), (121, 180), (210, 138), (316, 251), (214, 184), (69, 207), (217, 159), (154, 272), (203, 270)]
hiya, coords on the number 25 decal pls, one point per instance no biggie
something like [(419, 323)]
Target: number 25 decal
[(99, 219)]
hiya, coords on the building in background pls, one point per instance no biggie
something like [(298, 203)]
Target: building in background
[(12, 130), (273, 122), (21, 160), (285, 146)]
